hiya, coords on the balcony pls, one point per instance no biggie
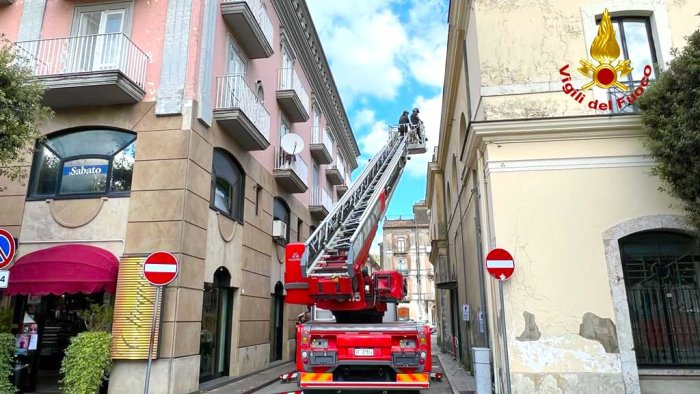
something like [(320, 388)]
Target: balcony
[(321, 145), (248, 21), (321, 202), (6, 2), (99, 69), (341, 189), (292, 96), (291, 171), (239, 112), (336, 172)]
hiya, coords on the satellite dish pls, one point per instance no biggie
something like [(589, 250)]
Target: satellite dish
[(292, 144)]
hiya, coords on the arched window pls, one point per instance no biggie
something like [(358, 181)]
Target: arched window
[(86, 162), (280, 211), (227, 185), (662, 272), (260, 92)]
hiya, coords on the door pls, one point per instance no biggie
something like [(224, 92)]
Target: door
[(235, 70), (287, 68), (277, 322), (98, 45), (214, 342)]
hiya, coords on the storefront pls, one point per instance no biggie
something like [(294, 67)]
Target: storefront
[(48, 288)]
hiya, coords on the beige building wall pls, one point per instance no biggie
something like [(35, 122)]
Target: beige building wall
[(523, 167)]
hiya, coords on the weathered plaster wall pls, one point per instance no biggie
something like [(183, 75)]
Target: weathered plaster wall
[(559, 311)]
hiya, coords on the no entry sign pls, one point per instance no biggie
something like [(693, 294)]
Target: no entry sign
[(500, 264), (160, 268), (7, 248)]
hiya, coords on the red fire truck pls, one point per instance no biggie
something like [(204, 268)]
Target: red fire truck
[(357, 351)]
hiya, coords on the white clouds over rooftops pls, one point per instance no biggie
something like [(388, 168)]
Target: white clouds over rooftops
[(373, 48)]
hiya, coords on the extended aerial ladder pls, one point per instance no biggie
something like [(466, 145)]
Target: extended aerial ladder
[(328, 271)]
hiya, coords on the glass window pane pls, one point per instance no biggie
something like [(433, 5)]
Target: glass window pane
[(90, 142), (45, 171), (123, 169), (638, 47), (222, 195), (84, 176)]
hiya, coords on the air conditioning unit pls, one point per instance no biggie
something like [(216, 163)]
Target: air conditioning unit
[(279, 230)]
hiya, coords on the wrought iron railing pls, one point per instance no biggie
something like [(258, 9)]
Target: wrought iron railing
[(91, 53), (321, 197), (624, 102), (320, 135), (260, 14), (285, 161), (339, 165), (289, 80), (232, 91)]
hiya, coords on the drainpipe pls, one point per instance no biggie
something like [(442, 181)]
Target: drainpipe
[(480, 258)]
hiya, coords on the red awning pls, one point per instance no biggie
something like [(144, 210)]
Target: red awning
[(64, 269)]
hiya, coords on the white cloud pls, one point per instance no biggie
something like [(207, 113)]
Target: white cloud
[(430, 115), (372, 142), (362, 40), (363, 117)]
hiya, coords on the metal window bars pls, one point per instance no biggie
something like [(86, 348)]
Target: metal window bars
[(285, 161)]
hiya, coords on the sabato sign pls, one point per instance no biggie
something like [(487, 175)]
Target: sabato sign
[(605, 50), (84, 170)]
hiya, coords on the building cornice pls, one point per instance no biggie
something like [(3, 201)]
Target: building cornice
[(298, 25), (551, 129)]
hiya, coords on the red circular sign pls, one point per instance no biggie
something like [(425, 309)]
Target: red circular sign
[(500, 264), (160, 268), (7, 248)]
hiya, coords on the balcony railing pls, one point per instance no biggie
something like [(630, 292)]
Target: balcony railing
[(626, 99), (320, 197), (260, 14), (85, 54), (339, 165), (322, 137), (289, 80), (284, 161), (232, 91)]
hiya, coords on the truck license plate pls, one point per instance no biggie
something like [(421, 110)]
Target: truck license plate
[(364, 352)]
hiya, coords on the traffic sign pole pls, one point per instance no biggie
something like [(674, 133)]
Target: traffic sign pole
[(159, 269), (152, 339), (505, 334), (501, 265)]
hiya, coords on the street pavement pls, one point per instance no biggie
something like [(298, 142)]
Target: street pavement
[(455, 379)]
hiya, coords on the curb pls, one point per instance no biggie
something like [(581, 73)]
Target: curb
[(239, 378)]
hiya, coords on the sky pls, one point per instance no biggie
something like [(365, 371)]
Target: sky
[(387, 56)]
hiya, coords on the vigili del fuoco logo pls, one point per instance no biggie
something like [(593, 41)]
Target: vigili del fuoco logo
[(605, 75)]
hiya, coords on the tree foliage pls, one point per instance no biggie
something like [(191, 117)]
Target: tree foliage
[(7, 352), (671, 117), (21, 108), (98, 317)]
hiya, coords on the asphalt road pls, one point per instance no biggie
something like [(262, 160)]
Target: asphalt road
[(441, 387)]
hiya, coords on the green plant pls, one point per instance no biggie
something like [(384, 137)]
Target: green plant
[(86, 363), (671, 117), (21, 108), (98, 317), (7, 351), (6, 324)]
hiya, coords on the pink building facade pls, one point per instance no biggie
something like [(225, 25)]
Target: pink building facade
[(169, 117)]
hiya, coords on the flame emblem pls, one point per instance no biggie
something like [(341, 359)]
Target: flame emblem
[(605, 50)]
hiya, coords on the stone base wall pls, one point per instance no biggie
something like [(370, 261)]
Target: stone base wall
[(182, 375), (580, 383), (253, 358)]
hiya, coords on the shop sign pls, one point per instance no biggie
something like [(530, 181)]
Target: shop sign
[(85, 170), (133, 312)]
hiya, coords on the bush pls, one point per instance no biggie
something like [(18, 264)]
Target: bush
[(86, 363), (671, 117), (7, 352)]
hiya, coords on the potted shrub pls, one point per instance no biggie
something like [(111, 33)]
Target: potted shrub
[(87, 362), (7, 351)]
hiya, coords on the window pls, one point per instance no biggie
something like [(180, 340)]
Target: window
[(300, 227), (401, 245), (80, 163), (402, 267), (280, 211), (636, 44), (662, 273), (228, 181), (236, 62), (100, 47)]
